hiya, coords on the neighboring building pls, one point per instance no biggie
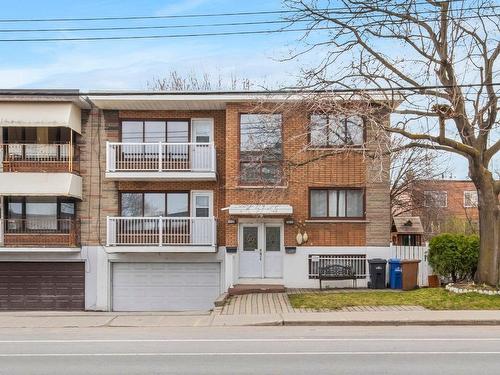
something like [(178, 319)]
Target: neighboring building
[(446, 206), (183, 195)]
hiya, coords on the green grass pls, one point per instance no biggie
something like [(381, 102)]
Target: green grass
[(430, 298)]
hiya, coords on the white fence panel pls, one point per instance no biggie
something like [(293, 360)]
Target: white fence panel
[(415, 252)]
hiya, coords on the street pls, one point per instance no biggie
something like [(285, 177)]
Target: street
[(251, 350)]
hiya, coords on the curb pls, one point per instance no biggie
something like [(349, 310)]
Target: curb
[(395, 323)]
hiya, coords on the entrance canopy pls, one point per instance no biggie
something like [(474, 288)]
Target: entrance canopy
[(260, 209)]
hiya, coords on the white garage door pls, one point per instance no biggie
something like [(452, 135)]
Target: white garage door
[(165, 286)]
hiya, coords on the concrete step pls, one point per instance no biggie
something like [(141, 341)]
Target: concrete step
[(240, 289)]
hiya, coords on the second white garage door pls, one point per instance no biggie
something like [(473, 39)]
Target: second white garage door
[(165, 286)]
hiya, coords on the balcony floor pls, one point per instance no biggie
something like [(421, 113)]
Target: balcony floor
[(160, 249), (165, 176)]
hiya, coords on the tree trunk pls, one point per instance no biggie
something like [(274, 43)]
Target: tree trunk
[(489, 227)]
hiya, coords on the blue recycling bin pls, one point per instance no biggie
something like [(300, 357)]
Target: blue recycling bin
[(395, 274)]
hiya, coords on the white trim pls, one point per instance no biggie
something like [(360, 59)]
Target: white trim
[(336, 221), (471, 205), (428, 192)]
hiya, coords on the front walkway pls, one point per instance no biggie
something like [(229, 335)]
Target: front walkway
[(278, 303)]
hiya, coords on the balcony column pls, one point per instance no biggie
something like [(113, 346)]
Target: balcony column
[(2, 222), (160, 161)]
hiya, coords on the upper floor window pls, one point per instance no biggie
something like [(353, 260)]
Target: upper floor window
[(172, 131), (336, 130), (171, 204), (470, 198), (261, 149), (434, 198), (336, 203)]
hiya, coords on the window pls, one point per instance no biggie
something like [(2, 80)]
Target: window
[(336, 203), (336, 130), (155, 204), (470, 198), (176, 131), (435, 199), (39, 213), (261, 149)]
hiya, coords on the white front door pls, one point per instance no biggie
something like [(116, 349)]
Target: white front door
[(201, 227), (261, 250), (202, 133)]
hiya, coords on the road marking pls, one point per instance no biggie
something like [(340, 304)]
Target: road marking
[(218, 354), (248, 340)]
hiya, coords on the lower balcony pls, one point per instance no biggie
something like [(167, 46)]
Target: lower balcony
[(39, 233), (161, 234)]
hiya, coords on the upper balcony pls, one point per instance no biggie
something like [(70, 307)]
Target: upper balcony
[(33, 169), (161, 160)]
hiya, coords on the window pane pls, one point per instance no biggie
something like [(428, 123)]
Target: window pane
[(318, 128), (178, 131), (132, 131), (318, 203), (271, 172), (354, 203), (14, 213), (336, 131), (202, 205), (154, 204), (250, 173), (154, 131), (41, 213), (260, 134), (341, 208), (250, 238), (177, 204), (332, 203), (355, 130), (131, 204), (273, 238)]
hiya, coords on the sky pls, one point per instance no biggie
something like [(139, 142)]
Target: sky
[(131, 64)]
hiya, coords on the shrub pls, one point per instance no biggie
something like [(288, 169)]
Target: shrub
[(454, 255)]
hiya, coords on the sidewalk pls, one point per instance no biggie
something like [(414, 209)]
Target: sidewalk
[(386, 318)]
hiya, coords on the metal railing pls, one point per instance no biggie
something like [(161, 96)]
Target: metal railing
[(39, 232), (357, 262), (161, 231), (160, 156), (29, 157)]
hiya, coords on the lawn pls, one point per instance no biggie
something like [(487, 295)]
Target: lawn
[(430, 298)]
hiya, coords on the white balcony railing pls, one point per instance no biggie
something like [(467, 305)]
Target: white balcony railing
[(160, 157), (161, 231)]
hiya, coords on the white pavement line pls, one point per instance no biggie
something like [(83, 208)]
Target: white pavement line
[(326, 339), (219, 354)]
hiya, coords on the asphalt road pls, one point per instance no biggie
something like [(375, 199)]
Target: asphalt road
[(252, 350)]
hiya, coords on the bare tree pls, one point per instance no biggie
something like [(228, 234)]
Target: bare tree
[(440, 58), (175, 81), (408, 167)]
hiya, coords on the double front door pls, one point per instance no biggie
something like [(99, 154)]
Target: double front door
[(261, 250)]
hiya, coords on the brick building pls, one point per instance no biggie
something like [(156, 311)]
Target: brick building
[(184, 195), (446, 206)]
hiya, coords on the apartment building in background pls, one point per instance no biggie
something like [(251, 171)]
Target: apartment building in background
[(445, 205), (174, 198)]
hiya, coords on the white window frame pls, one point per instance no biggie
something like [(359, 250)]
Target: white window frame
[(433, 192), (473, 205)]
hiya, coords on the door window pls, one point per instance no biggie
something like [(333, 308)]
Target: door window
[(250, 238), (273, 238), (202, 205)]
